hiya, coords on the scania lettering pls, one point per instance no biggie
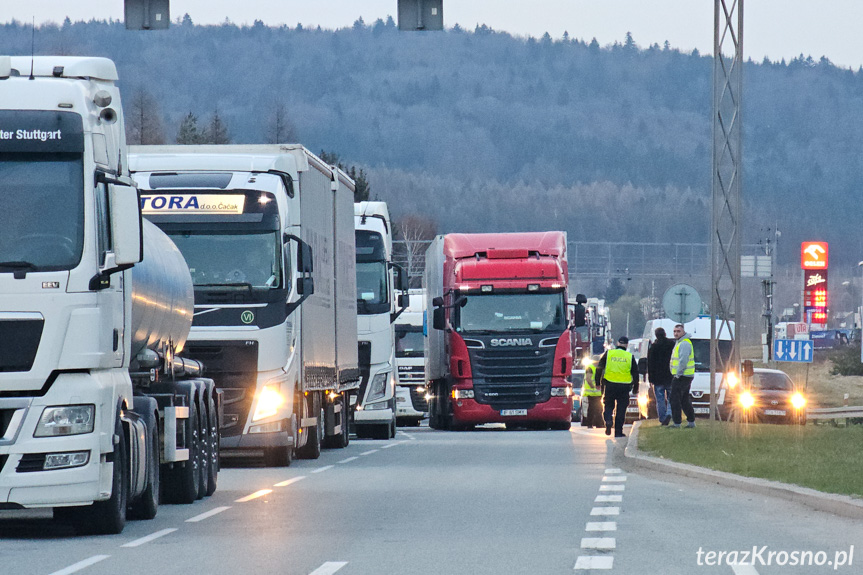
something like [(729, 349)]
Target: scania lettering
[(500, 347), (98, 410), (377, 309), (267, 233), (411, 393)]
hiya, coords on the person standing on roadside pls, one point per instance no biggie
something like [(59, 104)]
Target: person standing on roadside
[(590, 390), (659, 373), (682, 371), (618, 372)]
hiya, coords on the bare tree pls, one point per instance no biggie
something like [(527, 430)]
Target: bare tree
[(144, 120), (280, 129), (415, 231)]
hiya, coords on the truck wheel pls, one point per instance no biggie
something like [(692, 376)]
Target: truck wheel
[(214, 462), (183, 484), (312, 448), (393, 428), (203, 445), (109, 517), (339, 440), (147, 505)]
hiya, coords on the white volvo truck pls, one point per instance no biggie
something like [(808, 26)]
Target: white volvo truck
[(377, 308), (267, 233), (98, 412), (411, 402)]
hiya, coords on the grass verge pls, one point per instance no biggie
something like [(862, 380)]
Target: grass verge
[(820, 457)]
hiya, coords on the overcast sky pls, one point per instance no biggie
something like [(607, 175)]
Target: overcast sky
[(775, 28)]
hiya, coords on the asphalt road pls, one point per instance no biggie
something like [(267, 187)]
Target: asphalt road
[(484, 502)]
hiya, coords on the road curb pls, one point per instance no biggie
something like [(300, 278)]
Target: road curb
[(842, 505)]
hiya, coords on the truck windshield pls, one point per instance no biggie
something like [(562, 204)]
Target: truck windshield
[(409, 342), (511, 312), (41, 211), (248, 259), (371, 286), (701, 351)]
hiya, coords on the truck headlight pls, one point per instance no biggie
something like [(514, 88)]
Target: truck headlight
[(561, 391), (66, 460), (378, 387), (66, 420), (377, 406), (269, 402), (462, 394)]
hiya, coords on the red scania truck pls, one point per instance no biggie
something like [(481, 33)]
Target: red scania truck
[(500, 349)]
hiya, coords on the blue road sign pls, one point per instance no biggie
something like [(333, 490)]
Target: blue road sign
[(793, 350)]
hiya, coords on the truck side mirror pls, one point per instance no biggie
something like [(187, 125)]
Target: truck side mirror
[(642, 365), (439, 319), (306, 286), (437, 302), (402, 280), (126, 225), (404, 300), (748, 368), (580, 316)]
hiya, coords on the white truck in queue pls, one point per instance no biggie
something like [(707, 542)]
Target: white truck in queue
[(267, 233), (699, 331), (99, 413), (411, 402), (377, 308)]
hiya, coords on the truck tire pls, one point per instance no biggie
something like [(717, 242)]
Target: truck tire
[(204, 443), (181, 485), (147, 505), (109, 517), (314, 435), (214, 461), (339, 440)]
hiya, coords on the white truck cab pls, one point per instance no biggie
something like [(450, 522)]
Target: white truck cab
[(411, 402)]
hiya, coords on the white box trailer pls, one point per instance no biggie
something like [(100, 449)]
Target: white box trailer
[(268, 233)]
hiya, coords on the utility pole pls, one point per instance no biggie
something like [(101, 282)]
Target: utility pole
[(725, 305)]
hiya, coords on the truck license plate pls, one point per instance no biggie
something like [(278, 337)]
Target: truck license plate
[(701, 410), (506, 412), (631, 410), (774, 412)]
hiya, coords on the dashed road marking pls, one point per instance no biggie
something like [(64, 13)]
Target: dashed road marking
[(349, 459), (207, 515), (320, 469), (369, 452), (329, 568), (614, 478), (608, 499), (612, 487), (613, 470), (601, 526), (287, 482), (594, 562), (388, 445), (602, 543), (254, 495), (605, 511), (150, 537), (81, 565)]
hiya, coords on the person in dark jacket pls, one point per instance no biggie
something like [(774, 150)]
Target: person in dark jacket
[(618, 372), (659, 373)]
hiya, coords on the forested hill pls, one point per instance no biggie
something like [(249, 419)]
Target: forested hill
[(482, 130)]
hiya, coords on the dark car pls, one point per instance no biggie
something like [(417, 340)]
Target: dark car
[(771, 397)]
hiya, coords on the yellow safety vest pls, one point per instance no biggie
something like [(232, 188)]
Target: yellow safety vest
[(675, 359), (589, 387), (618, 366)]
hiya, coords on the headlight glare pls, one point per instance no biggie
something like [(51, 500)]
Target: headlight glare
[(66, 420), (798, 401), (269, 402), (746, 400)]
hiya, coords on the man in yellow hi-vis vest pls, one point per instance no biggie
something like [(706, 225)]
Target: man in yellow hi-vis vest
[(682, 373), (591, 392), (618, 372)]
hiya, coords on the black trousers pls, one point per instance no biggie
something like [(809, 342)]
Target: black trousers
[(680, 400), (616, 399), (594, 411)]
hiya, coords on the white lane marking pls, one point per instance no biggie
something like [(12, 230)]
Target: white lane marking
[(349, 459), (320, 469), (594, 562), (287, 482), (608, 499), (408, 435), (613, 470), (612, 487), (601, 526), (744, 570), (329, 568), (81, 565), (207, 515), (604, 543), (388, 445), (614, 478), (605, 511), (254, 495), (150, 537), (369, 452)]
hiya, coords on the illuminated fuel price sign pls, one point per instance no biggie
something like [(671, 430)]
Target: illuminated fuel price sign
[(815, 295)]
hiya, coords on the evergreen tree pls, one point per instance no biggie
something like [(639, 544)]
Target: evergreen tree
[(188, 133)]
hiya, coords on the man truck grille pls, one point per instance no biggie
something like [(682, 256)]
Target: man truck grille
[(512, 378), (233, 366), (19, 341), (418, 399)]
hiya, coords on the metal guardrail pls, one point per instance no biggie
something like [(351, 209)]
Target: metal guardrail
[(835, 412)]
